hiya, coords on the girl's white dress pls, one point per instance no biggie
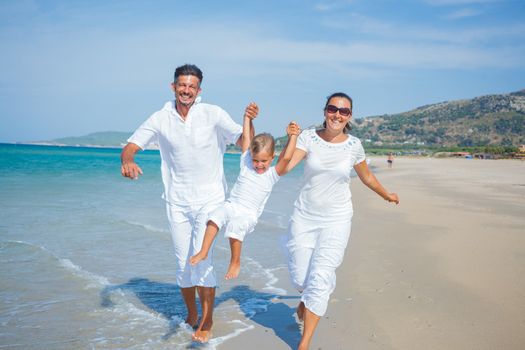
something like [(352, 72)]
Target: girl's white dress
[(247, 199)]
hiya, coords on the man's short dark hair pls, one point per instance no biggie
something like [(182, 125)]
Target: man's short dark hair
[(188, 69)]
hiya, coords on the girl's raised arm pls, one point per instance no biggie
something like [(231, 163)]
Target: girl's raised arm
[(287, 154), (248, 131)]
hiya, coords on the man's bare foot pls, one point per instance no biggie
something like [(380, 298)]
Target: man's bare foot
[(197, 258), (203, 333), (233, 270), (300, 311), (201, 336)]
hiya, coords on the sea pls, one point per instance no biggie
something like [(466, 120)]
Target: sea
[(86, 257)]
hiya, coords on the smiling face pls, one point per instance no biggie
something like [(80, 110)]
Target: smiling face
[(262, 161), (186, 88), (336, 121)]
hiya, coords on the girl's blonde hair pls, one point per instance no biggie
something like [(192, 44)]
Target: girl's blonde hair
[(262, 142)]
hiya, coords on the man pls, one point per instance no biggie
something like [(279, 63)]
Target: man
[(192, 137)]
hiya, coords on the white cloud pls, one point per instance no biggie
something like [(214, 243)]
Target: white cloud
[(463, 13), (111, 58), (459, 2), (326, 6), (427, 33), (113, 66), (14, 8), (234, 47)]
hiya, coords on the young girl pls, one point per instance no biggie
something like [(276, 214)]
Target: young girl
[(250, 192)]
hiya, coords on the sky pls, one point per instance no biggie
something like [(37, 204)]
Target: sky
[(69, 68)]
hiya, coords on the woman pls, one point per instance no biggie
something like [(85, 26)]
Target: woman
[(320, 224)]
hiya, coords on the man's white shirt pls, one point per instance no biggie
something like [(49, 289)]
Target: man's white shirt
[(191, 150)]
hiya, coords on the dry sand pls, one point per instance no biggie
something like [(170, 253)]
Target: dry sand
[(445, 269)]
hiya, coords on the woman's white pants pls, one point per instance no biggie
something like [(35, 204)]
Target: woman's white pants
[(315, 250)]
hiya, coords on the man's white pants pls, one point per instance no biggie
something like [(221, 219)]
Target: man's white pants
[(315, 250), (187, 226)]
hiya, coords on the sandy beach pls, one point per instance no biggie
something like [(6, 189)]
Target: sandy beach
[(443, 270)]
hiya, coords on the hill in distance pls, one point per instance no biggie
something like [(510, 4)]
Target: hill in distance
[(482, 121), (97, 139)]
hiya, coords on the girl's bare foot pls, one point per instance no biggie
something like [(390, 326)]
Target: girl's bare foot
[(197, 258), (233, 270)]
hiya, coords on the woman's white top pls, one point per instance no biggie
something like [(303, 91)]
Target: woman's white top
[(325, 194)]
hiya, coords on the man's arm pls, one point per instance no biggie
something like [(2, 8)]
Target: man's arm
[(129, 168)]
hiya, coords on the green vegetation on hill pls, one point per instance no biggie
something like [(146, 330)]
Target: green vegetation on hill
[(494, 120)]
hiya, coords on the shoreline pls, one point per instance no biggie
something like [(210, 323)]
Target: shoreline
[(44, 144), (438, 155)]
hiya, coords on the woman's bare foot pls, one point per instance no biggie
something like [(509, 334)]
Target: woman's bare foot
[(300, 311), (197, 258), (233, 270), (303, 346)]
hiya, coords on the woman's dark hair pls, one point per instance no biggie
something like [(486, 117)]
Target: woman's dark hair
[(188, 69), (348, 127)]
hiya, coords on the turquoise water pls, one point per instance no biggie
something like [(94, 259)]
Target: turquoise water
[(86, 259)]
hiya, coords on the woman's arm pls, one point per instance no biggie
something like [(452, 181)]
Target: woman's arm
[(371, 182)]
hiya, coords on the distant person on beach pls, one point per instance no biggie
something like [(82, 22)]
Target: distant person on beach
[(390, 159), (192, 137), (249, 194), (320, 225)]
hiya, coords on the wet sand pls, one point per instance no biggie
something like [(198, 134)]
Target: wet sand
[(445, 269)]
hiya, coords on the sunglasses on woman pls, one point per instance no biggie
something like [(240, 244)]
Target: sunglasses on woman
[(345, 112)]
